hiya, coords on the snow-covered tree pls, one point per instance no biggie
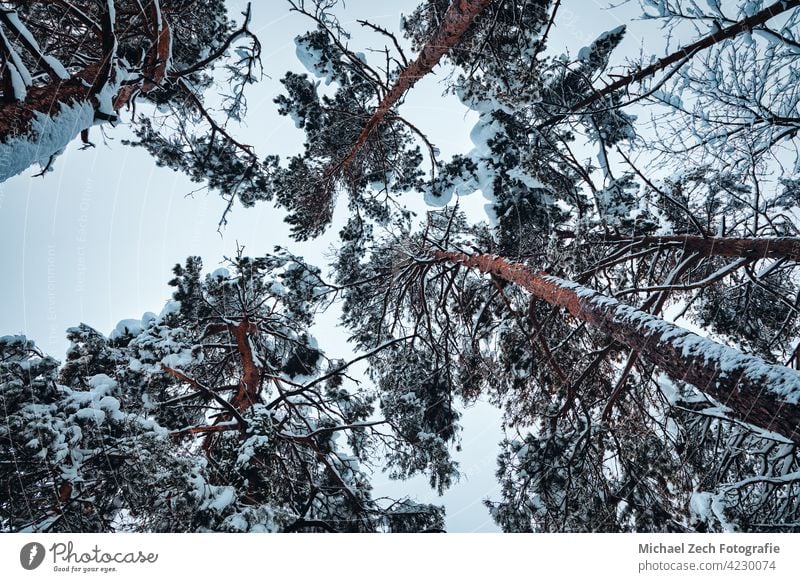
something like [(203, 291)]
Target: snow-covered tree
[(219, 414), (620, 304), (68, 66), (624, 403)]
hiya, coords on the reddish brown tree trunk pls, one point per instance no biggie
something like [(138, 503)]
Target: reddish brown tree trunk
[(735, 247), (247, 391), (762, 394), (250, 382), (457, 19), (158, 59), (749, 248), (16, 117)]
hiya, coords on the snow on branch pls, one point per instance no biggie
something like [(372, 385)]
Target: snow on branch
[(766, 395), (50, 64)]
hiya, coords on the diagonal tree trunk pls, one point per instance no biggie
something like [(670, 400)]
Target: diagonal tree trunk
[(250, 382), (52, 115), (686, 52), (38, 125), (762, 394), (457, 19), (736, 247), (749, 248)]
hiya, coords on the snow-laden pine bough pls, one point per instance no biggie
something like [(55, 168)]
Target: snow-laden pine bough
[(675, 60), (110, 53), (757, 392), (455, 22)]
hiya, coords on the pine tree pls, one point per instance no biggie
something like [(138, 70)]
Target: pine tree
[(219, 414), (606, 380), (67, 66), (558, 310), (592, 379)]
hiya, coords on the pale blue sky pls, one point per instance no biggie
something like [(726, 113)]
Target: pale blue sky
[(95, 240)]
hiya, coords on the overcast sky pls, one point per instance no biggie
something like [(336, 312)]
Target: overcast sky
[(95, 239)]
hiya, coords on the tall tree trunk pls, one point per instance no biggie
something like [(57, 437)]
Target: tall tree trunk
[(745, 25), (744, 247), (762, 394), (250, 382), (457, 19), (46, 121), (53, 114)]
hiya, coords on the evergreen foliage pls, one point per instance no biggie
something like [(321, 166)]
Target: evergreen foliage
[(137, 431), (222, 413)]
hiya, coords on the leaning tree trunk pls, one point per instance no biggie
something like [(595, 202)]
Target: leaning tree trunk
[(762, 394), (36, 128), (744, 247), (745, 25), (37, 122), (457, 19)]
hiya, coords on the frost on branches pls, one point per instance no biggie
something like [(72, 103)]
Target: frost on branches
[(221, 413), (629, 298), (68, 66)]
